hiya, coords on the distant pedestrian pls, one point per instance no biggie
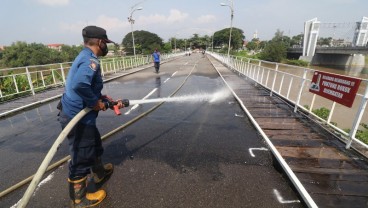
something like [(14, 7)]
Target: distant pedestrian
[(156, 60)]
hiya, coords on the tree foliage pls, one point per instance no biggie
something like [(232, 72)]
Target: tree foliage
[(199, 42), (324, 41), (275, 50), (221, 38), (297, 40), (24, 54), (255, 45), (145, 42)]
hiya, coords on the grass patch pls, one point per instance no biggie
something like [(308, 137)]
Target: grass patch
[(295, 62)]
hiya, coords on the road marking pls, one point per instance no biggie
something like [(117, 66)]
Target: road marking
[(44, 181), (251, 150), (281, 199), (136, 105), (149, 94)]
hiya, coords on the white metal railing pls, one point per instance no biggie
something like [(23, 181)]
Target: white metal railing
[(292, 83), (32, 79)]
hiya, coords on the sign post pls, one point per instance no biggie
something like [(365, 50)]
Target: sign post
[(338, 88)]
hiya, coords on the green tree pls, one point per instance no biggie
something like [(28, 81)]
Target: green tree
[(68, 53), (22, 54), (253, 45), (221, 38), (324, 41), (167, 47), (297, 40), (145, 42), (180, 43), (199, 42), (275, 50)]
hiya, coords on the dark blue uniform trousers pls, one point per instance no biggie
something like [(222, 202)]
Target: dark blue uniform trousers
[(85, 146)]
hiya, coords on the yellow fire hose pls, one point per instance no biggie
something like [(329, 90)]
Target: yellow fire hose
[(45, 163)]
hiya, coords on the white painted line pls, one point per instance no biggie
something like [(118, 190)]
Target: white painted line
[(251, 150), (239, 115), (281, 199), (44, 181), (136, 106), (149, 94)]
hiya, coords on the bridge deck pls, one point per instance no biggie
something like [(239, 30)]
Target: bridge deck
[(333, 176)]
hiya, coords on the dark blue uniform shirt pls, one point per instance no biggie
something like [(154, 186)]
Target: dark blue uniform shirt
[(83, 86), (156, 56)]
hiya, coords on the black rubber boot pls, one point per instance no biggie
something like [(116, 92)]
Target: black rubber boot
[(101, 172), (79, 196)]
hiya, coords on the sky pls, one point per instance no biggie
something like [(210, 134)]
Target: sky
[(61, 21)]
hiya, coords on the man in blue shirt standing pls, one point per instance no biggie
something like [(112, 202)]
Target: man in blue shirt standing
[(83, 89), (156, 60)]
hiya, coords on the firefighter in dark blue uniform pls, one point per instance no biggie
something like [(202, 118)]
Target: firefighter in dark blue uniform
[(83, 89)]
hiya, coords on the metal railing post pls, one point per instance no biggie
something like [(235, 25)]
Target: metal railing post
[(124, 64), (248, 64), (43, 79), (312, 103), (15, 83), (62, 73), (358, 118), (114, 64), (281, 83), (274, 79), (263, 70), (30, 81), (300, 91), (331, 112), (268, 75), (289, 89), (53, 76)]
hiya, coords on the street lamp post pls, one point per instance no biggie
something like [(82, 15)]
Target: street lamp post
[(131, 21), (231, 6)]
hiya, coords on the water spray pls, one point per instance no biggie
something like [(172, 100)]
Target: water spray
[(199, 97)]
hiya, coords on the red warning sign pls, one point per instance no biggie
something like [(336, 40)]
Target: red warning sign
[(338, 88)]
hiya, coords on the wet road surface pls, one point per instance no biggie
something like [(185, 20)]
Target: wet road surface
[(181, 155)]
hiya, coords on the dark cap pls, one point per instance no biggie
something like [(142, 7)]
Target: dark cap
[(95, 32)]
